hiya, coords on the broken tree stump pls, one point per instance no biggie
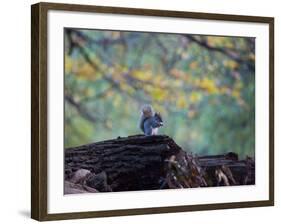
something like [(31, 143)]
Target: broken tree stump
[(151, 162)]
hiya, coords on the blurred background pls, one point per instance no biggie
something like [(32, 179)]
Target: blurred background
[(204, 87)]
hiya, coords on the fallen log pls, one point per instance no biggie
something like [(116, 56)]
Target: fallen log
[(243, 171), (151, 162)]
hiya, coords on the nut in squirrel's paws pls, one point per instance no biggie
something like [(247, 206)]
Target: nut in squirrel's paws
[(159, 119)]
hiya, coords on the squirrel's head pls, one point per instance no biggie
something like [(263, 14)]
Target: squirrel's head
[(147, 110)]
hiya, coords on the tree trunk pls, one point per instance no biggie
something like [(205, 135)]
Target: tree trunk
[(151, 162)]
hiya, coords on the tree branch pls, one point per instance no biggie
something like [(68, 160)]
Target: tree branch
[(229, 53), (83, 112)]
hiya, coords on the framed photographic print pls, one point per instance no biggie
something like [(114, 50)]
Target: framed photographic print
[(139, 111)]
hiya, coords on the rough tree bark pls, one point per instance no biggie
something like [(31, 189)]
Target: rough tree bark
[(140, 163)]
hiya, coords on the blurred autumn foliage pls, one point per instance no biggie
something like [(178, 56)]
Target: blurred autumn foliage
[(204, 87)]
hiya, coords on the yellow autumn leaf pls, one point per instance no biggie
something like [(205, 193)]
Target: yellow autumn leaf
[(142, 75), (235, 93), (195, 97), (68, 63), (215, 41), (208, 85), (230, 64), (158, 94), (115, 34), (225, 90), (86, 71), (219, 41), (181, 102), (126, 88)]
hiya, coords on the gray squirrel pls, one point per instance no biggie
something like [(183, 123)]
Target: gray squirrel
[(150, 121)]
